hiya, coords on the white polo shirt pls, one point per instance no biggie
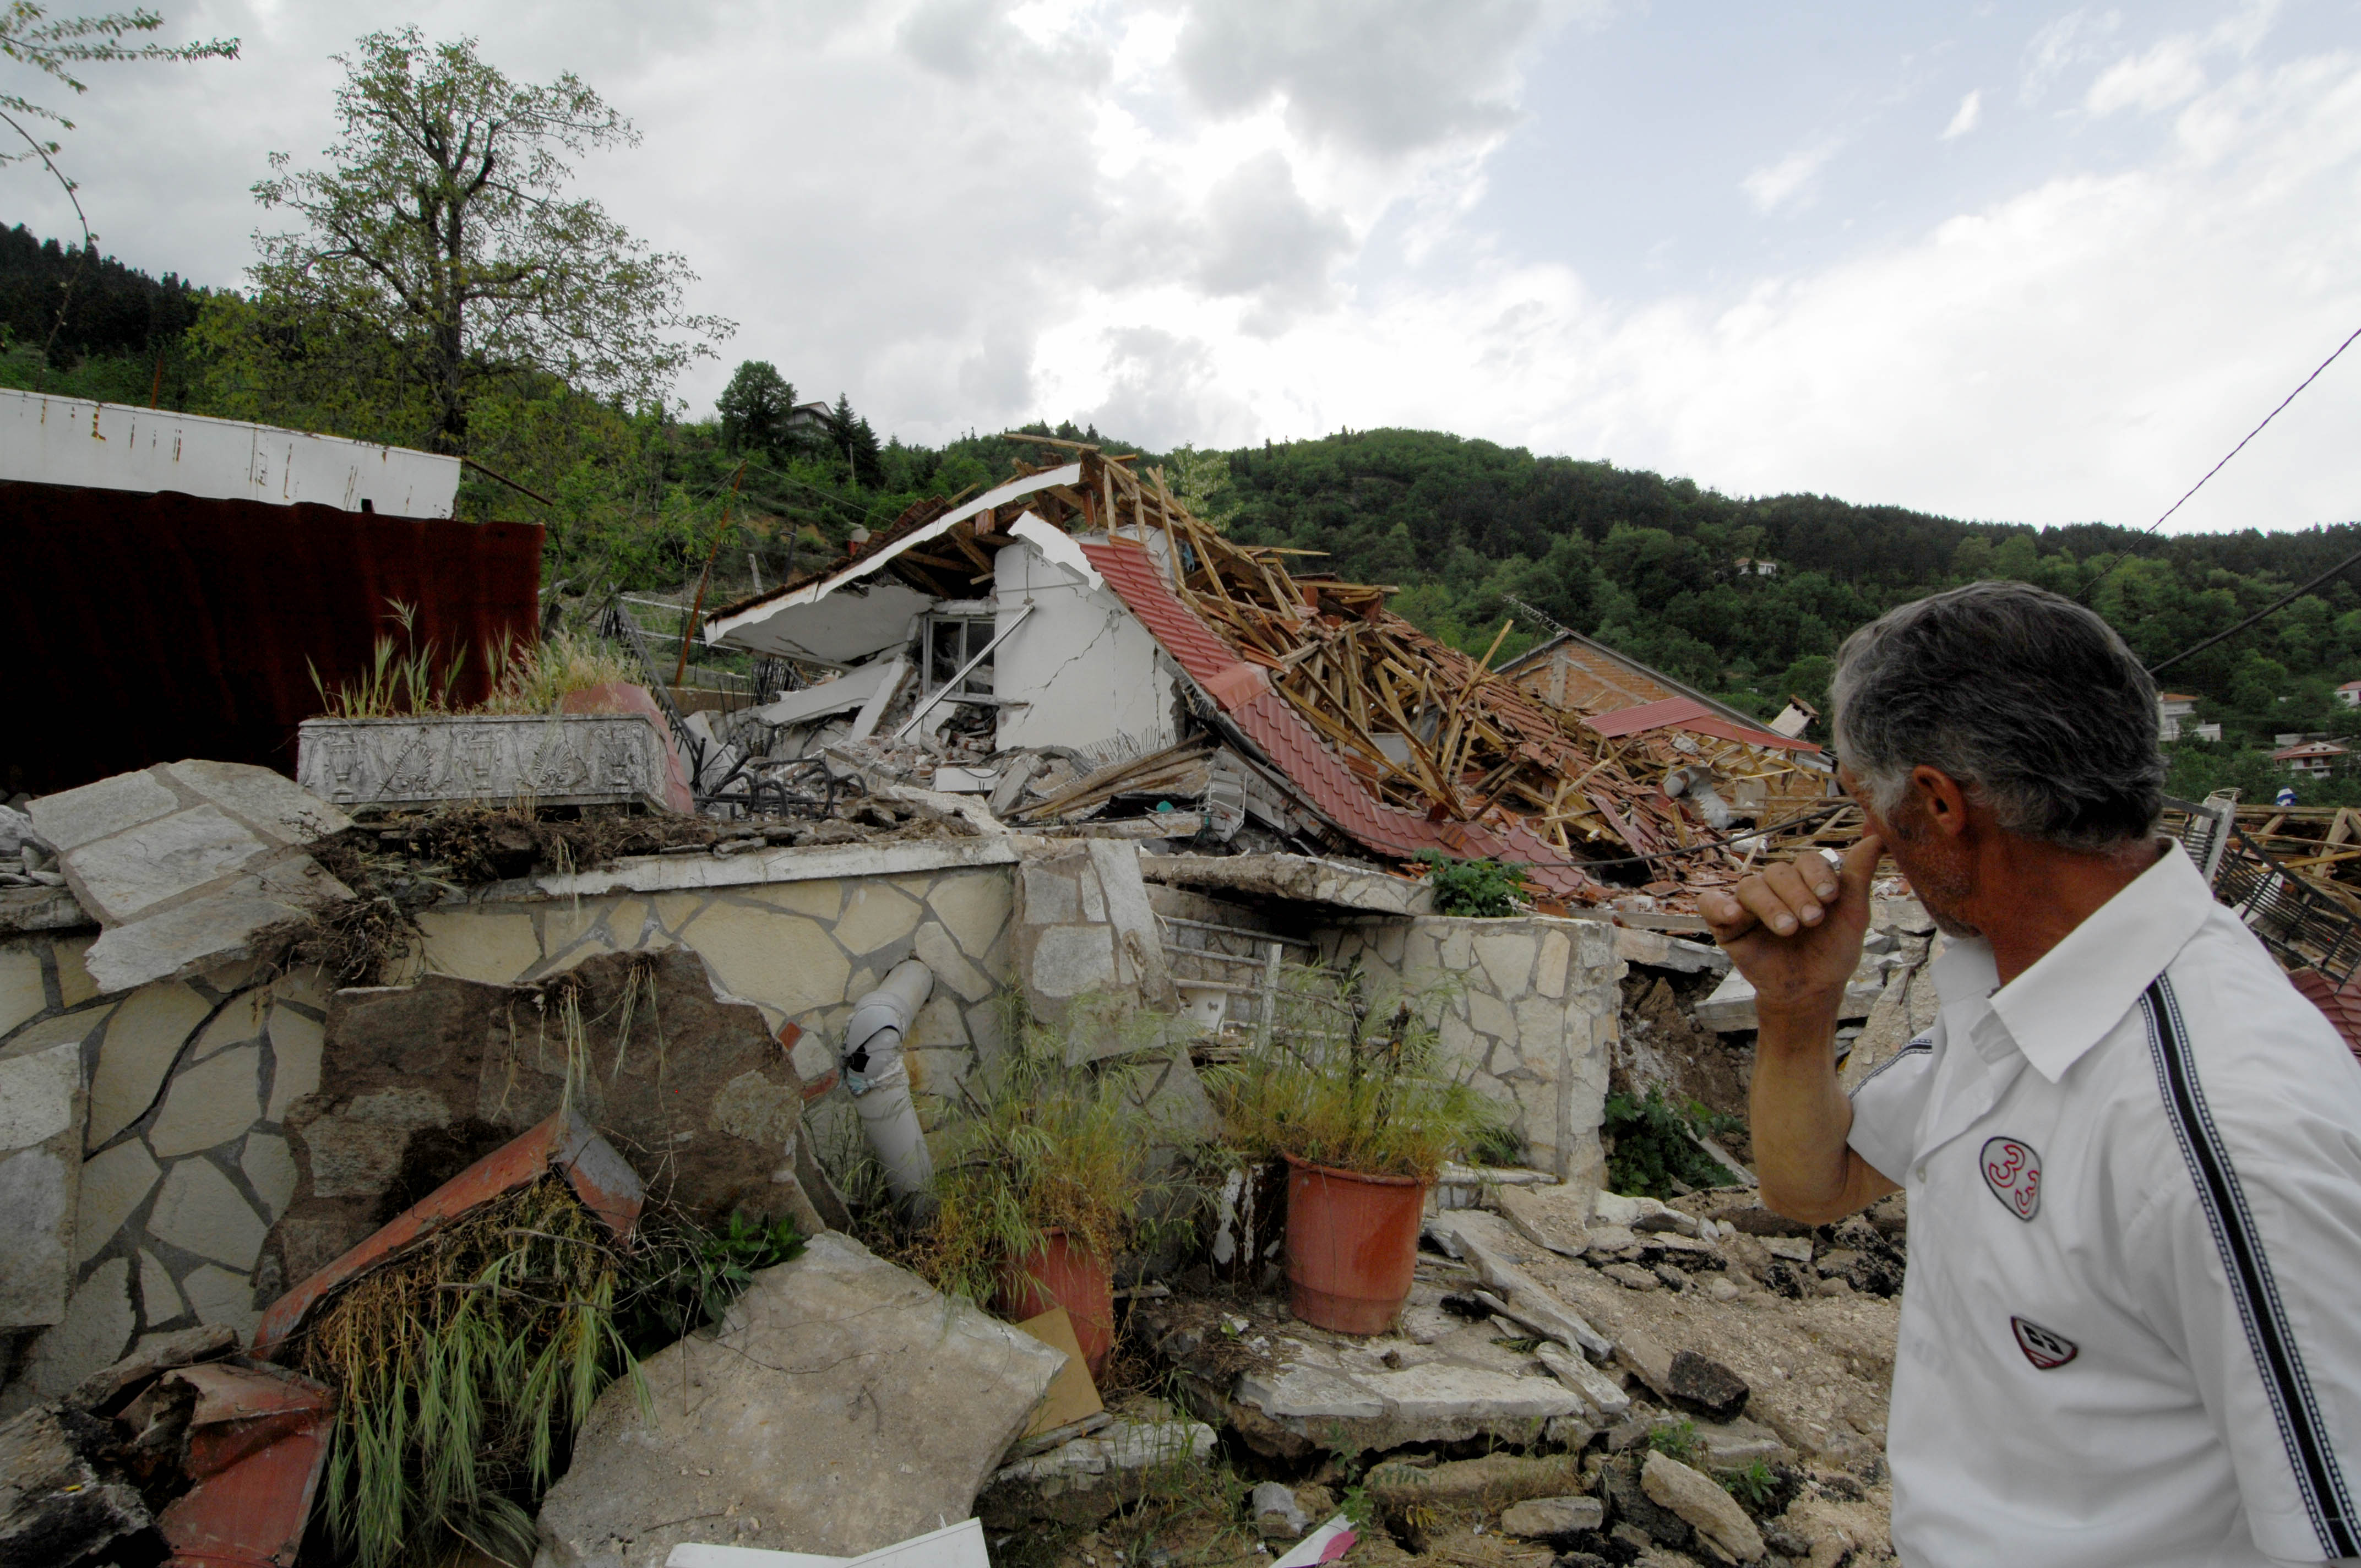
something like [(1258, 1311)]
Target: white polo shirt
[(2131, 1329)]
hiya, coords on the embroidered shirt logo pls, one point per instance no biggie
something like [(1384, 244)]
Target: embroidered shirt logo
[(2046, 1348), (2014, 1173)]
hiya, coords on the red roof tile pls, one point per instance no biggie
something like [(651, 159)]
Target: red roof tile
[(2341, 1006), (1296, 749)]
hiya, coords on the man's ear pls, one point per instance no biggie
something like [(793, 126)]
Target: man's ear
[(1941, 798)]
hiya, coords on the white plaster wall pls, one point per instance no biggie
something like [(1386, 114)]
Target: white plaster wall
[(1087, 667)]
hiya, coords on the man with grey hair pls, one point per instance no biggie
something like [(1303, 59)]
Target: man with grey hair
[(2131, 1332)]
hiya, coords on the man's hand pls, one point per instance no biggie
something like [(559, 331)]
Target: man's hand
[(1795, 930)]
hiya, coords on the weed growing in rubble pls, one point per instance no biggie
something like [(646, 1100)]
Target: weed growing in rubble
[(397, 683), (462, 1371), (1650, 1146), (536, 679), (1675, 1440), (1351, 1085), (1484, 888), (1755, 1486)]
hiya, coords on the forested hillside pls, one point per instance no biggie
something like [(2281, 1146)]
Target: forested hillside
[(1744, 596)]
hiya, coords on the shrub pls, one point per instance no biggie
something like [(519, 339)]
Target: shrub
[(1483, 888), (1650, 1147)]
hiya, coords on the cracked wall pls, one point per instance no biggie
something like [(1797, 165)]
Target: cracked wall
[(1087, 670)]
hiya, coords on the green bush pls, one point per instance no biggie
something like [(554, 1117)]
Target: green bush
[(1650, 1147), (1487, 889)]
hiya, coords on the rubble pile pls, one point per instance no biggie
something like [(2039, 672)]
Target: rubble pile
[(1273, 707)]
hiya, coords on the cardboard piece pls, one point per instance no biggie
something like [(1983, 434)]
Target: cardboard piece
[(1072, 1396)]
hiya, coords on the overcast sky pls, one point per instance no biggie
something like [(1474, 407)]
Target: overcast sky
[(2015, 261)]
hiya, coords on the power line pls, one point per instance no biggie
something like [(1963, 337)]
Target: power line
[(2084, 597), (2269, 609)]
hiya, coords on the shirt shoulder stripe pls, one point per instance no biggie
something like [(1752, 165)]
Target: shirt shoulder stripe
[(1920, 1046), (2311, 1455)]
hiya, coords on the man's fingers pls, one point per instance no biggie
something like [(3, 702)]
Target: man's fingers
[(1796, 884), (1768, 903), (1725, 916)]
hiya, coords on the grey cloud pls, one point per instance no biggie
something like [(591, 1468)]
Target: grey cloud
[(1163, 392), (1262, 239), (1382, 77)]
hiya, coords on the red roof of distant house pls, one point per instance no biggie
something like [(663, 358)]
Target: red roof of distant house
[(1272, 723), (2350, 686), (1686, 713), (2189, 696), (2308, 749)]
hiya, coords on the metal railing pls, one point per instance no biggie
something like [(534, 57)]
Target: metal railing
[(2302, 927)]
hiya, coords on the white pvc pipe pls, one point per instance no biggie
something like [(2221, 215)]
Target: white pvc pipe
[(880, 1080)]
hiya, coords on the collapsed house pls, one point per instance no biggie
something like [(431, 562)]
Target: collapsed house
[(1075, 641)]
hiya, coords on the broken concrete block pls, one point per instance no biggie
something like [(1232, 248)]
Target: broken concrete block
[(1494, 1480), (1551, 1518), (843, 1405), (1662, 949), (1700, 1501), (1645, 1359), (1730, 1007), (184, 863), (1557, 1218), (1602, 1393)]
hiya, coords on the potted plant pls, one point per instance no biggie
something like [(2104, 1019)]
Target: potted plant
[(1357, 1103), (1049, 1178)]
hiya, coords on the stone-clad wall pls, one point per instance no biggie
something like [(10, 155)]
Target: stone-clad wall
[(185, 1082), (184, 1163), (1532, 1015)]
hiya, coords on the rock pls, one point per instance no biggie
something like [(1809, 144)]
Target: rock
[(42, 1110), (1706, 1386), (844, 1403), (1601, 1392), (1549, 1217), (1721, 1289), (1492, 1481), (1735, 1445), (1630, 1276), (55, 1505), (1756, 1220), (1087, 1477), (1619, 1480), (1276, 1512), (1674, 1278), (1714, 1514), (1796, 1250), (1645, 1359), (1552, 1519)]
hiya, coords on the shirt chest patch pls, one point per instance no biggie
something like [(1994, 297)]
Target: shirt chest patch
[(2046, 1348), (2012, 1170)]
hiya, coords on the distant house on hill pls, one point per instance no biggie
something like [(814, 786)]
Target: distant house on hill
[(2349, 694), (1748, 567), (2173, 712), (2318, 759), (807, 420)]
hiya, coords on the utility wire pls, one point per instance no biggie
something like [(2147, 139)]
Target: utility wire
[(2084, 597), (2269, 609)]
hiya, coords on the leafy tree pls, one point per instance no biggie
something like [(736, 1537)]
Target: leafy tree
[(59, 48), (442, 231), (754, 408), (1201, 481)]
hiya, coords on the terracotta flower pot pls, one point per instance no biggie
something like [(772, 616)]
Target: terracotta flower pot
[(1352, 1241), (1065, 1274)]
